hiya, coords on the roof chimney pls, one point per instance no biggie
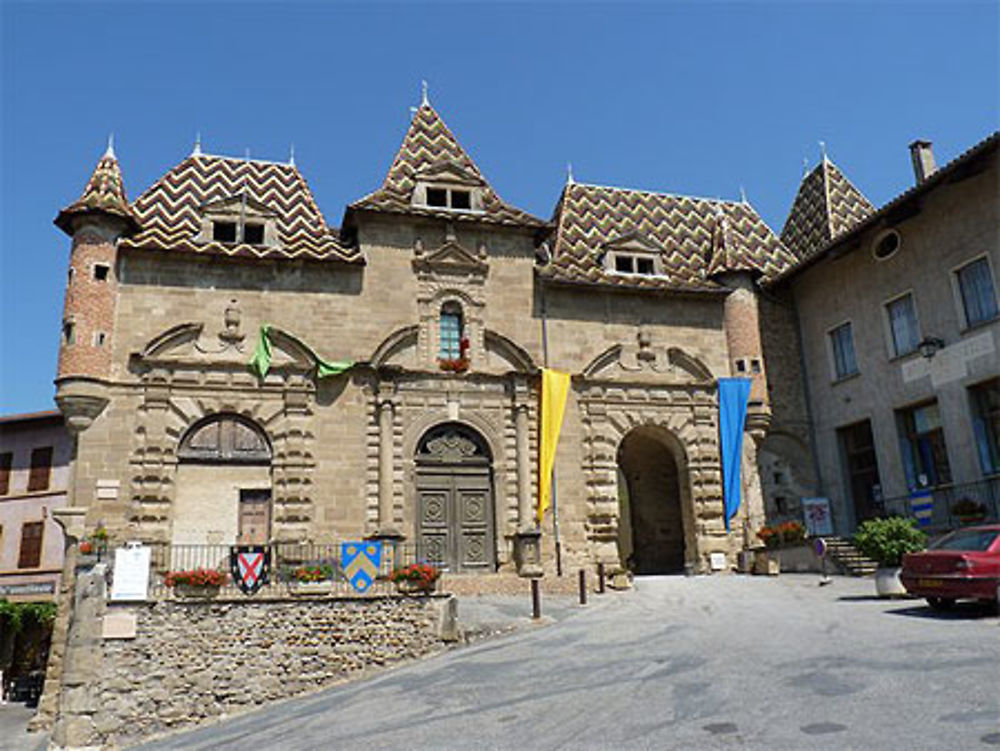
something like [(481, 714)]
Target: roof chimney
[(923, 160)]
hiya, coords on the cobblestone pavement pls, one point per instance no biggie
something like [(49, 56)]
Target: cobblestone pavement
[(680, 663)]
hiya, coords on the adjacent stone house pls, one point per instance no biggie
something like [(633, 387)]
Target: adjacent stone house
[(447, 301), (898, 322)]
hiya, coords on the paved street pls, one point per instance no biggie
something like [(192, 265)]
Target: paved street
[(680, 663)]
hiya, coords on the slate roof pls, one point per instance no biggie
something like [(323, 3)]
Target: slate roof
[(171, 210), (105, 193), (429, 145), (826, 206), (695, 237)]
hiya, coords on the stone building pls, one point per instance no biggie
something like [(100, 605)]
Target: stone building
[(447, 301), (898, 323)]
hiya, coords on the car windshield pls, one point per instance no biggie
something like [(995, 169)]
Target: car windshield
[(972, 539)]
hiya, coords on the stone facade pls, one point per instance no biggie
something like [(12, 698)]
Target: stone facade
[(949, 219), (644, 352)]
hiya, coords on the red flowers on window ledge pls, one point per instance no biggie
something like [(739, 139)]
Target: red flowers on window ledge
[(199, 577), (458, 364)]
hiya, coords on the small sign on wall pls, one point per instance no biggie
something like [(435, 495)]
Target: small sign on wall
[(818, 519), (131, 580)]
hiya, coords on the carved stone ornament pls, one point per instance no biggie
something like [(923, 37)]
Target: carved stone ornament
[(450, 447)]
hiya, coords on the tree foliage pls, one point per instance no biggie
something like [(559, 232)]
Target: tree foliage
[(15, 615)]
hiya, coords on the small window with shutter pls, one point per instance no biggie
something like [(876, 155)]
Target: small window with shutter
[(6, 459), (41, 469), (30, 555)]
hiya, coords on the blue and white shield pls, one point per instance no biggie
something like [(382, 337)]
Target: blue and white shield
[(360, 562)]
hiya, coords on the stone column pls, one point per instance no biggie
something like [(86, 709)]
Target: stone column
[(386, 525), (524, 516)]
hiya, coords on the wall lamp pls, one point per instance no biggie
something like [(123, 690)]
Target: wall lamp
[(930, 345)]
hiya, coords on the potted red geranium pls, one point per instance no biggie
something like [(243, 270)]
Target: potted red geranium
[(417, 578), (199, 582)]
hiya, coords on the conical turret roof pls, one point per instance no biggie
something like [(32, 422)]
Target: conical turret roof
[(104, 194), (430, 148), (826, 206)]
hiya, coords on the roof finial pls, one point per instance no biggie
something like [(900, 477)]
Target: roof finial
[(743, 195), (197, 144), (111, 146), (822, 149), (291, 155), (424, 101), (569, 173), (805, 166)]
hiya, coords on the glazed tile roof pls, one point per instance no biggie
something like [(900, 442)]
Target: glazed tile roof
[(171, 210), (826, 206), (696, 238), (429, 146), (105, 192)]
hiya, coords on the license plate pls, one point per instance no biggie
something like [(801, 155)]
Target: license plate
[(929, 582)]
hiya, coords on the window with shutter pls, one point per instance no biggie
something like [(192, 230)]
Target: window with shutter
[(41, 469), (31, 545), (6, 459)]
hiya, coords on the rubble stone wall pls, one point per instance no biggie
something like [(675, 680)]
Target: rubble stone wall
[(191, 662)]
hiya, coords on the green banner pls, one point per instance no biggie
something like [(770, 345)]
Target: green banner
[(260, 362)]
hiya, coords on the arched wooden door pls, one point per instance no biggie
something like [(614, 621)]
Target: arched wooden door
[(455, 519)]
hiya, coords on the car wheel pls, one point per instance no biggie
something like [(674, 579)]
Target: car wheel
[(941, 603)]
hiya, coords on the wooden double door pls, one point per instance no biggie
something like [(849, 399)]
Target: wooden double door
[(455, 525)]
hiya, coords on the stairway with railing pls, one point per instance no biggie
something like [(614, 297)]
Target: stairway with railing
[(847, 558)]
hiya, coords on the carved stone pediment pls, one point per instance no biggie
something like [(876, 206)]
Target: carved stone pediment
[(670, 365), (634, 242), (450, 172), (451, 257)]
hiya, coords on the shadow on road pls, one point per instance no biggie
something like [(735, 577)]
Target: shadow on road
[(962, 611)]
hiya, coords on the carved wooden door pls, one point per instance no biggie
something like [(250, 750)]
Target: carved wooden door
[(455, 525)]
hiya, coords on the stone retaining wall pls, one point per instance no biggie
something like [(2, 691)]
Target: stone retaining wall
[(189, 662)]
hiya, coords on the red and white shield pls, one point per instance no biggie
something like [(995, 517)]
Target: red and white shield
[(249, 566)]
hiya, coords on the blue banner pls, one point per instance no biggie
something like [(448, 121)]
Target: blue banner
[(733, 396)]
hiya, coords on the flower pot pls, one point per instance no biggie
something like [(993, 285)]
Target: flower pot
[(189, 592), (298, 588), (415, 587), (887, 582), (767, 562), (972, 518)]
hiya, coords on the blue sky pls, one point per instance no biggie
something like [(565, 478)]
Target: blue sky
[(698, 98)]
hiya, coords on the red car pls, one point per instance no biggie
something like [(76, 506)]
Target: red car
[(962, 565)]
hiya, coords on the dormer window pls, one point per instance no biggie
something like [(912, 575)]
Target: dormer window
[(627, 263), (238, 221), (454, 199)]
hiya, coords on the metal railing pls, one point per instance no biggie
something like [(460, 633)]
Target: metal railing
[(985, 493), (285, 560)]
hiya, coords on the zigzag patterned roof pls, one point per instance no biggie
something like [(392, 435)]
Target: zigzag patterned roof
[(696, 238), (171, 210), (430, 144), (105, 192), (826, 206)]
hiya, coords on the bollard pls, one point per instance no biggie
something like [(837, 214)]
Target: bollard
[(600, 578), (536, 600), (583, 587)]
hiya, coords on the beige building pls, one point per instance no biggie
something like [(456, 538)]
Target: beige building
[(34, 475), (899, 329), (448, 301)]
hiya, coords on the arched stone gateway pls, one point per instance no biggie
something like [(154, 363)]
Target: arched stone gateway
[(454, 494), (651, 519)]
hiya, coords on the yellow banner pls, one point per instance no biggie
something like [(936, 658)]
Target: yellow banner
[(555, 387)]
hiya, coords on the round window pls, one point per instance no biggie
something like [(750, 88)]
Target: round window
[(886, 245)]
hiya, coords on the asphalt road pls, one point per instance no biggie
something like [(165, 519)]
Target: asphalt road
[(680, 663)]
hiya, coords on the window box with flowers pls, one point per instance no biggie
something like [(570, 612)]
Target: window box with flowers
[(458, 364), (201, 583), (788, 534), (313, 578), (417, 578), (967, 511)]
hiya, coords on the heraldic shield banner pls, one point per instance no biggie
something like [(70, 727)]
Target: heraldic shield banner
[(250, 565), (360, 561)]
